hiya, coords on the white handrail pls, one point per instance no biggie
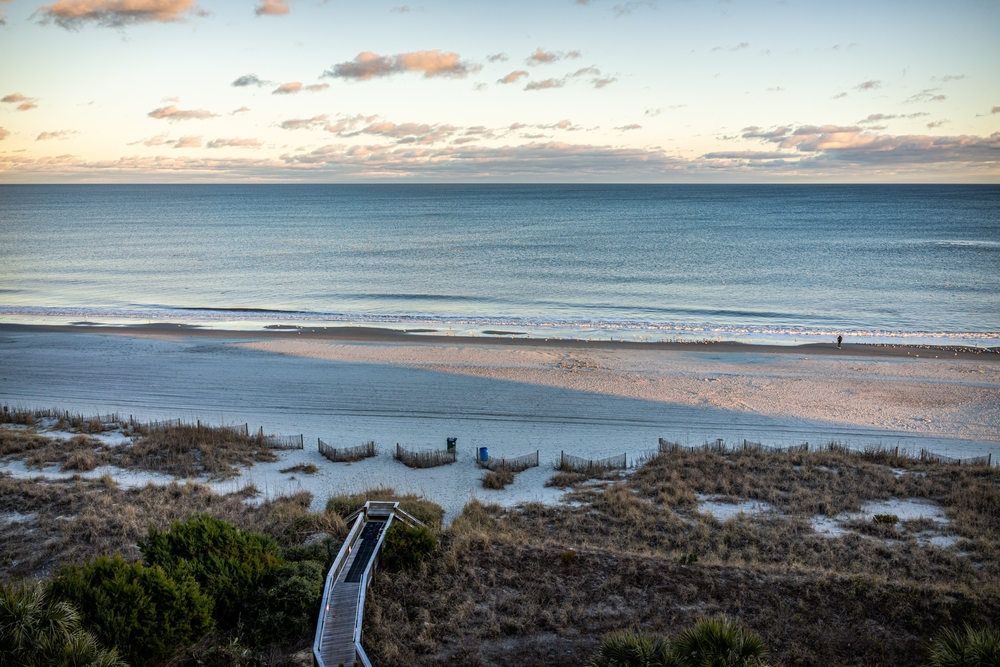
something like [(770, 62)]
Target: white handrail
[(365, 580), (331, 579)]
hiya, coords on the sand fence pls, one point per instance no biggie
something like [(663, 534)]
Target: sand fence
[(570, 463), (518, 464), (874, 453), (348, 454), (425, 459)]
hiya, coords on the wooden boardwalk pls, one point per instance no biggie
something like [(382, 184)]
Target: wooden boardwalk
[(338, 630)]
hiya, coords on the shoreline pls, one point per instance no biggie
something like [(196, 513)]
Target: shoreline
[(370, 334)]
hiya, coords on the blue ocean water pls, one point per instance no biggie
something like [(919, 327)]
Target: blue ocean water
[(756, 263)]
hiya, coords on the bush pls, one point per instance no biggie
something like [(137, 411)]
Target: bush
[(633, 649), (229, 564), (719, 643), (37, 630), (498, 479), (144, 612), (970, 647), (423, 510), (286, 606), (405, 547)]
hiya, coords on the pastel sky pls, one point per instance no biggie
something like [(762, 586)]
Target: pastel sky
[(557, 91)]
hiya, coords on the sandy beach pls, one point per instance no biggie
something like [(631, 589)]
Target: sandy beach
[(512, 396)]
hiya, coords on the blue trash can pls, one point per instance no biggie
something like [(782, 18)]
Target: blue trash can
[(484, 454)]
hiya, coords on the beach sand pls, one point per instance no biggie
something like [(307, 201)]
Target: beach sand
[(512, 396)]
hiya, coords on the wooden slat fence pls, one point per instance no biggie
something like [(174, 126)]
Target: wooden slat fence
[(514, 465), (282, 441), (425, 459), (570, 463), (875, 453), (348, 454)]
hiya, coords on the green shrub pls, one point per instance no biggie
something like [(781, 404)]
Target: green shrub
[(229, 564), (968, 648), (37, 630), (405, 547), (147, 614), (719, 643), (286, 606), (633, 649), (887, 519)]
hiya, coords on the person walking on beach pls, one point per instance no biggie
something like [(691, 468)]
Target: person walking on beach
[(840, 339)]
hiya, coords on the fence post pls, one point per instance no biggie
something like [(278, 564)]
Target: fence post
[(562, 460), (897, 451), (989, 459)]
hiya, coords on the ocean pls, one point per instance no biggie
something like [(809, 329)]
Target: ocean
[(751, 263)]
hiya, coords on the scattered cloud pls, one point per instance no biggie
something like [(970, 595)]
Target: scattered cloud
[(158, 140), (3, 134), (746, 155), (775, 89), (293, 87), (170, 99), (26, 103), (172, 113), (839, 95), (367, 65), (629, 7), (480, 86), (250, 80), (303, 123), (937, 123), (631, 126), (71, 14), (272, 8), (543, 57), (754, 132), (513, 76), (583, 71), (545, 84), (407, 133), (949, 77), (240, 110), (401, 9), (995, 110), (659, 110), (56, 134), (497, 58), (926, 95), (601, 82), (188, 142), (738, 47), (871, 84), (879, 117), (234, 143)]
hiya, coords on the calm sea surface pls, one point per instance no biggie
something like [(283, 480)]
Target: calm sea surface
[(753, 263)]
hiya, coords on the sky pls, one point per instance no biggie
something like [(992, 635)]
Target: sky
[(537, 91)]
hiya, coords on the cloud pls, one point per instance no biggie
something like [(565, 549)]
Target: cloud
[(368, 65), (583, 71), (995, 110), (56, 134), (249, 80), (546, 84), (629, 7), (158, 140), (272, 8), (600, 83), (631, 126), (754, 132), (839, 95), (402, 9), (746, 155), (543, 57), (409, 133), (936, 123), (949, 77), (497, 58), (71, 14), (172, 113), (243, 109), (303, 123), (738, 47), (926, 95), (3, 134), (879, 117), (288, 88), (480, 86), (234, 143), (871, 84), (775, 89), (26, 103), (513, 76), (188, 142)]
